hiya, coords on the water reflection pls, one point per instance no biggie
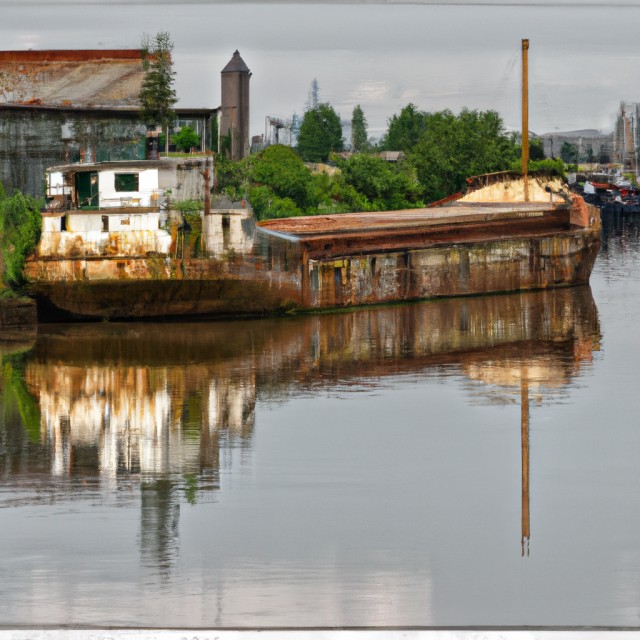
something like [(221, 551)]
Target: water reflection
[(620, 248), (151, 416), (150, 399)]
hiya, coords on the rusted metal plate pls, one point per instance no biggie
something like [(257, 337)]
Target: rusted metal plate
[(349, 234), (71, 79), (391, 220)]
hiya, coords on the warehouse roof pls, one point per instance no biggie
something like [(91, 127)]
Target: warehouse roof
[(97, 79)]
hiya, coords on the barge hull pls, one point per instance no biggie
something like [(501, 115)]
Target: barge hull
[(281, 279), (455, 270)]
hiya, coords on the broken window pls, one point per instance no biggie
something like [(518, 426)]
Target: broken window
[(126, 181)]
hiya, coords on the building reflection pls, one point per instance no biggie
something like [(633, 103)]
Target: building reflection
[(167, 407), (122, 419)]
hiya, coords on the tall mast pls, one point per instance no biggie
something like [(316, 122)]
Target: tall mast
[(525, 117)]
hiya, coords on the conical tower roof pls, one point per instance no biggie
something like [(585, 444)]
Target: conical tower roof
[(236, 64)]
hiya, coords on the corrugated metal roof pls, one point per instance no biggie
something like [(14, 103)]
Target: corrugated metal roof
[(72, 79), (236, 64)]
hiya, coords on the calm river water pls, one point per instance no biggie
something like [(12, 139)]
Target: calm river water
[(463, 462)]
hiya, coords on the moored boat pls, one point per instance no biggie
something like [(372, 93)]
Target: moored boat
[(493, 239), (487, 241)]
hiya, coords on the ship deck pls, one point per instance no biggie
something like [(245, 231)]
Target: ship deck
[(350, 233)]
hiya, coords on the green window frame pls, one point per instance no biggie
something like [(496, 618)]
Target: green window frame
[(127, 182)]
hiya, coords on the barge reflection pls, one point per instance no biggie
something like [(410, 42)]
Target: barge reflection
[(155, 411)]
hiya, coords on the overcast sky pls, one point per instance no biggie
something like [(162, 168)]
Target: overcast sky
[(584, 56)]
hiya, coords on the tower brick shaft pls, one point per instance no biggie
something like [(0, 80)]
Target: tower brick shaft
[(234, 118)]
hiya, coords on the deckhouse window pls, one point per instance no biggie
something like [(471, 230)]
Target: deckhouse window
[(126, 182)]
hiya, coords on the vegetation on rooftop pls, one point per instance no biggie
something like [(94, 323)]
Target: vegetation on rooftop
[(186, 139)]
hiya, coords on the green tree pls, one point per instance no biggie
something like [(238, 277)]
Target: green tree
[(295, 128), (186, 139), (313, 99), (320, 134), (569, 152), (275, 180), (359, 140), (266, 204), (453, 148), (536, 149), (157, 95), (281, 169), (20, 228), (589, 155), (404, 129), (384, 185)]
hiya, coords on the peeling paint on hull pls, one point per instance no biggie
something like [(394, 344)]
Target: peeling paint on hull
[(489, 267)]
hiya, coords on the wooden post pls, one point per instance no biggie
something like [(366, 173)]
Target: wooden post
[(525, 117), (207, 187), (207, 201)]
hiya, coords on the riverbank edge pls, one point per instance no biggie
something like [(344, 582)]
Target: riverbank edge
[(18, 319)]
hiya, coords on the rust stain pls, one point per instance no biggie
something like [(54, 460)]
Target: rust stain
[(70, 55)]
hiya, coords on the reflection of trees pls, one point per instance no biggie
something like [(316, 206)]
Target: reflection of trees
[(19, 419), (159, 518)]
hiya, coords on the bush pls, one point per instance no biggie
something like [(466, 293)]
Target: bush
[(383, 185), (279, 168), (186, 139), (547, 166), (266, 204), (20, 229)]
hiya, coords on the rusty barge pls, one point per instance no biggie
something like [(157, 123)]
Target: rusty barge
[(124, 265), (475, 245)]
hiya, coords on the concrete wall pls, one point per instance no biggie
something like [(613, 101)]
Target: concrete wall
[(87, 222), (52, 223), (225, 232), (68, 245), (31, 140)]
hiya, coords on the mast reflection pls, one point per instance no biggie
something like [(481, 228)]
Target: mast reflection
[(524, 436), (546, 367)]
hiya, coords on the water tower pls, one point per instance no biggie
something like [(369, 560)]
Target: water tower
[(234, 118)]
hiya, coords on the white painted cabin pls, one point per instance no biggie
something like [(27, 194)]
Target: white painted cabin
[(104, 208)]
